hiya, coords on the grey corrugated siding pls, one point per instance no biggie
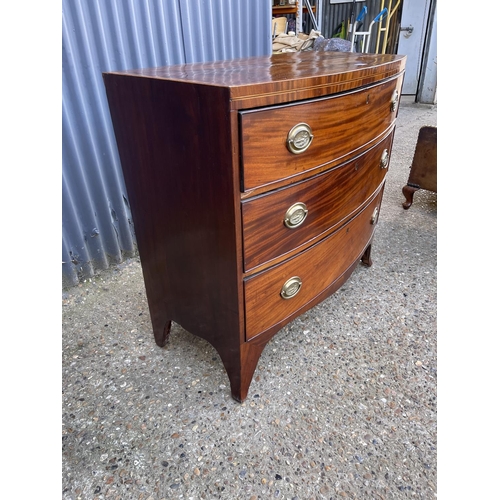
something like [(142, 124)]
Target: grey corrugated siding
[(110, 35)]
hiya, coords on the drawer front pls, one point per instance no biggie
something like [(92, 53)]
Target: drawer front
[(317, 268), (275, 142), (278, 222)]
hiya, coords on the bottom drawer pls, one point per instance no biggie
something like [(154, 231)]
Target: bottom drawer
[(275, 294)]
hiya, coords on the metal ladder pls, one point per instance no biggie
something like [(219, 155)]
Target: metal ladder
[(384, 27)]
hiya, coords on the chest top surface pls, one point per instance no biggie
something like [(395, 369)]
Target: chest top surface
[(281, 77)]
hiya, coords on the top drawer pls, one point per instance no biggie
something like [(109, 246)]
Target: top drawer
[(274, 148)]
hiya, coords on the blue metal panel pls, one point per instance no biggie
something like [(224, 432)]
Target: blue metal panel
[(221, 29), (110, 35)]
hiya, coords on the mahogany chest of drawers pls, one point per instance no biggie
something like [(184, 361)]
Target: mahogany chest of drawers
[(254, 186)]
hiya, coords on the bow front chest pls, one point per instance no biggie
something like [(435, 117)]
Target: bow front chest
[(255, 187)]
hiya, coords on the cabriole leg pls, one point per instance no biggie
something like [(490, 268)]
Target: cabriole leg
[(408, 191)]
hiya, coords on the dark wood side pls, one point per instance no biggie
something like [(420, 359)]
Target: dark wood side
[(330, 198), (423, 171), (175, 144)]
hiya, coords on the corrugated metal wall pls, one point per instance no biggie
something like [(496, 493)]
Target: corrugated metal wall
[(110, 35)]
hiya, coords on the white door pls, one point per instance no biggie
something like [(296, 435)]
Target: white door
[(412, 39)]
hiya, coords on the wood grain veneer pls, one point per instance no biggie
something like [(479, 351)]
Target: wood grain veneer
[(330, 197), (341, 125), (188, 136)]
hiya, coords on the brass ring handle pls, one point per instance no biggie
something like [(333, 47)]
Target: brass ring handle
[(394, 101), (295, 215), (374, 218), (299, 138), (291, 288), (384, 160)]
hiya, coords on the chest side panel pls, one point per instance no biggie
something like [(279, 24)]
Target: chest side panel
[(175, 144)]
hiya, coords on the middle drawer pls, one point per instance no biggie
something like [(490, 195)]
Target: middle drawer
[(287, 219)]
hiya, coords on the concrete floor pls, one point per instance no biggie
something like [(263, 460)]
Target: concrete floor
[(342, 404)]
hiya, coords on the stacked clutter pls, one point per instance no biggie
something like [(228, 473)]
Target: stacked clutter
[(314, 41), (290, 42)]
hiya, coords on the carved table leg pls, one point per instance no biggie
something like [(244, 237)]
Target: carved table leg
[(408, 191), (366, 257)]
